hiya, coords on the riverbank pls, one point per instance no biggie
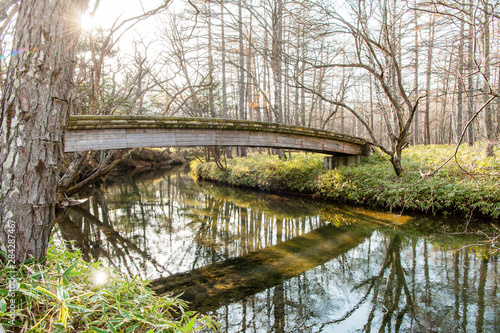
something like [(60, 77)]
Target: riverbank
[(67, 294), (465, 185)]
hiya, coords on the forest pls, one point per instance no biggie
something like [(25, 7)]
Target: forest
[(393, 72), (401, 74)]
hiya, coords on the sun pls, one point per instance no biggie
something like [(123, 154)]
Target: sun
[(88, 22)]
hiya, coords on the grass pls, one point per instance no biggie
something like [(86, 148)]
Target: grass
[(266, 172), (67, 294), (467, 184)]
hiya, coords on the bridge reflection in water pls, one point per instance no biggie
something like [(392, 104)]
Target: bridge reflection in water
[(210, 287), (266, 263)]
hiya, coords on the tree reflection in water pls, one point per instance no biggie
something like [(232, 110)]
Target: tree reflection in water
[(337, 297), (385, 279)]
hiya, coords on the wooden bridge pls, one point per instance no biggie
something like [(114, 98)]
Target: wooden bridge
[(86, 133)]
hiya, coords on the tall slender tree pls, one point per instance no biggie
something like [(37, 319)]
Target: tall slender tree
[(277, 57), (223, 62), (460, 99), (416, 138), (488, 117), (241, 104), (211, 101), (470, 69), (430, 49)]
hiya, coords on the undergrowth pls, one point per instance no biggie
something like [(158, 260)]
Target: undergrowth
[(297, 173), (467, 184), (67, 294)]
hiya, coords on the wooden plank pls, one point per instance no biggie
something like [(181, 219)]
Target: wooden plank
[(80, 122), (120, 138)]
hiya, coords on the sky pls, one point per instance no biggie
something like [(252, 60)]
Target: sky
[(109, 11)]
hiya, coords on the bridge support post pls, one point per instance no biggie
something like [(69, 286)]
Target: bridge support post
[(333, 162), (367, 150)]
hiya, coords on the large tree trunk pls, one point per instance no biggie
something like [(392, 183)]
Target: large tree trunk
[(35, 108)]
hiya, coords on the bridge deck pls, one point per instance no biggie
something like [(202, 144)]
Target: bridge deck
[(120, 132)]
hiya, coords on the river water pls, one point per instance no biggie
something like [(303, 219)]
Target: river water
[(268, 263)]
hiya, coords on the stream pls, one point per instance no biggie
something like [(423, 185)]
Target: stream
[(261, 262)]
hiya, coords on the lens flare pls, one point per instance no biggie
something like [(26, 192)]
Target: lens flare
[(100, 278), (14, 53)]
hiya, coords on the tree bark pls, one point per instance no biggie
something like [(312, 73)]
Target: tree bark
[(35, 107)]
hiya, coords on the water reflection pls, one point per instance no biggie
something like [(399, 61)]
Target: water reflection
[(266, 263), (232, 280)]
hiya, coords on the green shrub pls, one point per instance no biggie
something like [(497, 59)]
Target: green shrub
[(466, 184), (298, 173), (452, 190), (67, 294)]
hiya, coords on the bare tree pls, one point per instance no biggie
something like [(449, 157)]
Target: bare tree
[(488, 117), (428, 75), (102, 98), (471, 23), (460, 81), (470, 69), (223, 63), (380, 58), (241, 91), (417, 90)]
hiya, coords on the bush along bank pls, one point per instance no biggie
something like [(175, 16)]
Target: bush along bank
[(468, 184), (67, 294)]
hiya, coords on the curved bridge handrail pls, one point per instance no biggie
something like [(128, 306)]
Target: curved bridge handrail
[(151, 122)]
